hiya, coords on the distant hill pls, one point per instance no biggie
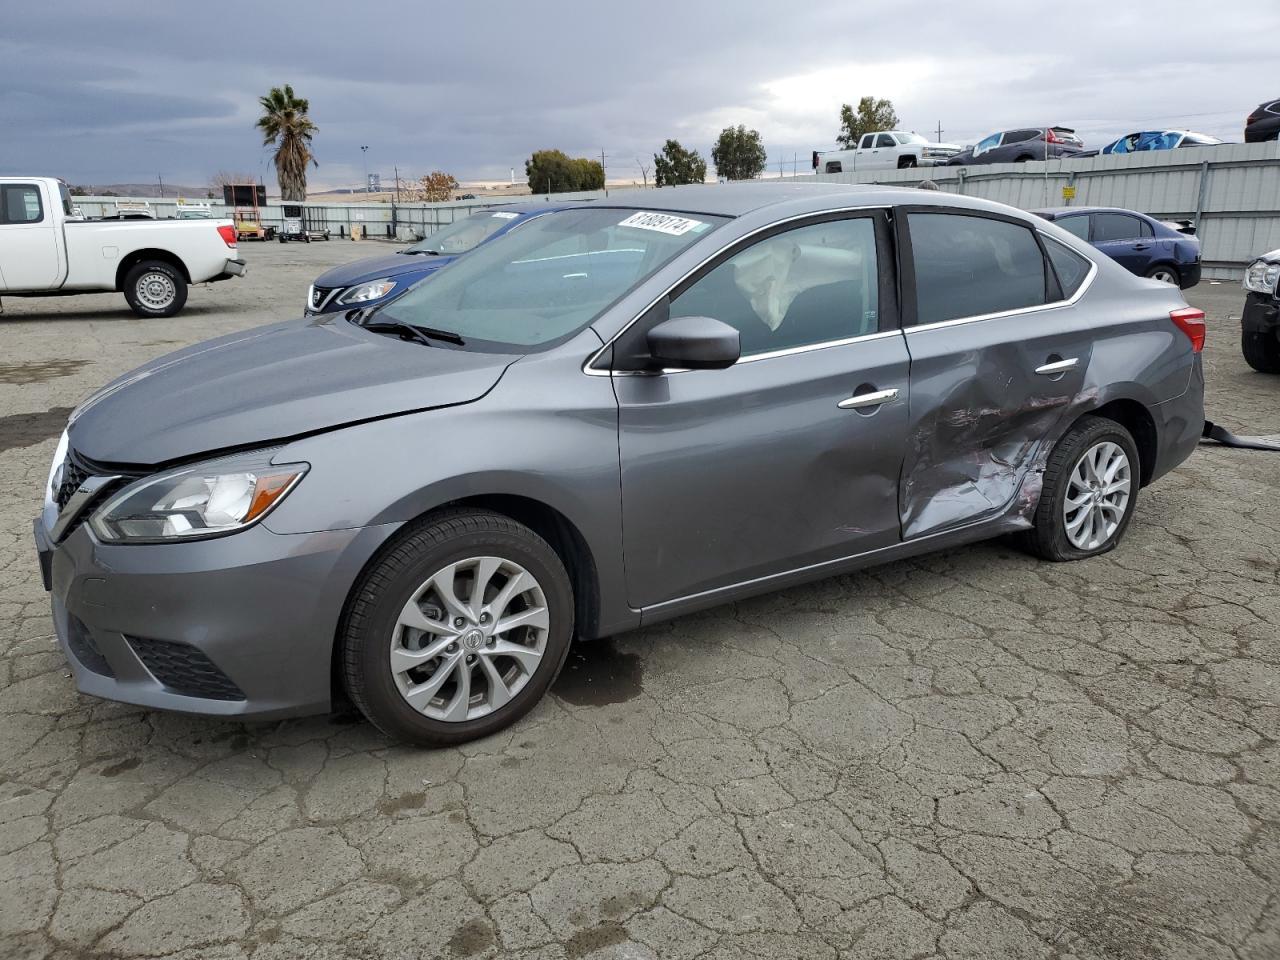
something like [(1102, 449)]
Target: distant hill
[(149, 190)]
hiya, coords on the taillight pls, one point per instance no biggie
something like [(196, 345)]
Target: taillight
[(1191, 322), (228, 234), (1050, 136)]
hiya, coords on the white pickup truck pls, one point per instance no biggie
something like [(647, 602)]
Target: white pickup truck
[(885, 150), (46, 250)]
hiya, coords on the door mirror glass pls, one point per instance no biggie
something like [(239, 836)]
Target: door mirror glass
[(694, 343)]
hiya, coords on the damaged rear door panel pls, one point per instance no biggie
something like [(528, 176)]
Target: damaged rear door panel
[(999, 361)]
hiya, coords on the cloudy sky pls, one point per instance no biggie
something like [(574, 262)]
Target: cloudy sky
[(100, 92)]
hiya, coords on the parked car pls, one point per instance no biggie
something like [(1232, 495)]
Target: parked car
[(47, 250), (375, 280), (1264, 123), (1018, 146), (1141, 244), (1147, 140), (885, 150), (620, 412), (1260, 322)]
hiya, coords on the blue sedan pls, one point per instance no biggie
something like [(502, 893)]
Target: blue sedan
[(1140, 244), (377, 280)]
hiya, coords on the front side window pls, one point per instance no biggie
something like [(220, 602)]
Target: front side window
[(547, 280), (884, 140), (20, 203), (464, 235), (968, 266), (1077, 225), (812, 284), (1115, 226), (989, 143)]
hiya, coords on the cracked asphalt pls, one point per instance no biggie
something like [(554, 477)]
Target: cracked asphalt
[(967, 755)]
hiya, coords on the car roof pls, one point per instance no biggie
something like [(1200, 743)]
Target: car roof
[(1063, 211)]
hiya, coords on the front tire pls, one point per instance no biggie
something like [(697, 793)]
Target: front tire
[(1089, 493), (905, 163), (458, 630), (154, 288), (1261, 351)]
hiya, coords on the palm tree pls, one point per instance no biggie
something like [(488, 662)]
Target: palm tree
[(285, 123)]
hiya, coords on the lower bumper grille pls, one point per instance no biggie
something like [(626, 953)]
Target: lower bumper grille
[(184, 669), (84, 649)]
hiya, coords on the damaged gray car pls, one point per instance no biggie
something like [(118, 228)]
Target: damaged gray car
[(617, 413)]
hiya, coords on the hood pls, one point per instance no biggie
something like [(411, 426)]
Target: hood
[(1271, 256), (375, 268), (272, 383)]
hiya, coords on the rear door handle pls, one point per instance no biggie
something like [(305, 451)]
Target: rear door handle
[(1057, 366), (860, 400), (1141, 246)]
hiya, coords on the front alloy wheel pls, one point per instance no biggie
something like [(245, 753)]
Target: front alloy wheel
[(457, 629)]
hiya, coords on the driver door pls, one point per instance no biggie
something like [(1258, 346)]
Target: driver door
[(773, 463)]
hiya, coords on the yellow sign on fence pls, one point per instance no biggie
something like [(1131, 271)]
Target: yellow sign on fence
[(1068, 193)]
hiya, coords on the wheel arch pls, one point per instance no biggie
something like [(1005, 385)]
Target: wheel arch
[(135, 257), (1134, 416)]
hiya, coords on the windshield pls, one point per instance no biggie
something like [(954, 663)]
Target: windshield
[(463, 235), (910, 138), (549, 279)]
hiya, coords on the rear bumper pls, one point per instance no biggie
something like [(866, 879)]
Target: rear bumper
[(1179, 424), (1261, 314), (235, 268), (1189, 274)]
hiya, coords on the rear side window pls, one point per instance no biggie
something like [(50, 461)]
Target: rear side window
[(969, 266), (812, 284), (20, 203), (1117, 226), (867, 140), (1070, 267), (1018, 136)]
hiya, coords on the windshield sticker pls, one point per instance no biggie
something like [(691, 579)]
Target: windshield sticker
[(506, 215), (662, 223)]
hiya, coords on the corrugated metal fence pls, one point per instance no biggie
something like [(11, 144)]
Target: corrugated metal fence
[(1232, 192)]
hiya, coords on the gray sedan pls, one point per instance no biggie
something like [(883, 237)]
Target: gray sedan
[(616, 413)]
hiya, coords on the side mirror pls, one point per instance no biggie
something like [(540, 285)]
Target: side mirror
[(694, 343)]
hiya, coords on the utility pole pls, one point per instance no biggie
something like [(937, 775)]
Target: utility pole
[(939, 131), (160, 177), (364, 153)]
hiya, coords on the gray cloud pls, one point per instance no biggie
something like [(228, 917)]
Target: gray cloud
[(119, 91)]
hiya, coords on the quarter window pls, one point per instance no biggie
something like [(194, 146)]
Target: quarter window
[(968, 266), (20, 203), (809, 285), (1070, 267)]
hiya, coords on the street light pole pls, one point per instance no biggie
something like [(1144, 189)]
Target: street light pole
[(364, 153)]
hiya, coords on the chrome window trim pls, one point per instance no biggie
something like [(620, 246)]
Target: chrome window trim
[(588, 365), (1056, 305)]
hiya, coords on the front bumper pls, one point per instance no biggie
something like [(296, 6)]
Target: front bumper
[(1261, 314), (933, 161), (236, 626)]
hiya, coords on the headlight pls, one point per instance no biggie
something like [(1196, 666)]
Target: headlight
[(1261, 277), (55, 480), (218, 497), (364, 292)]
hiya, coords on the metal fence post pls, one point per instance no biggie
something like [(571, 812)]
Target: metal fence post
[(1204, 191)]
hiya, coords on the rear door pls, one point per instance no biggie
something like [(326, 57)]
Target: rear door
[(29, 248), (1126, 239), (997, 355), (790, 457)]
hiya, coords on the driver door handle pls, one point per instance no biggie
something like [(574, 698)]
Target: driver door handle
[(1057, 366), (874, 399)]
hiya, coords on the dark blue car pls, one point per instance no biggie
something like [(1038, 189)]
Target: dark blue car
[(1140, 244), (378, 280)]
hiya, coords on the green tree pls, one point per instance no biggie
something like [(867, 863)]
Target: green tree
[(871, 115), (284, 123), (676, 165), (78, 192), (738, 153), (554, 171)]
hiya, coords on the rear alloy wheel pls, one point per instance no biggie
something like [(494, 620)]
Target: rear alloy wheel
[(1261, 351), (1090, 489), (459, 630), (1165, 274), (154, 288)]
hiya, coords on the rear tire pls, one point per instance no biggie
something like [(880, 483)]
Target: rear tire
[(1261, 351), (154, 288), (1102, 503), (482, 677), (1165, 274)]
